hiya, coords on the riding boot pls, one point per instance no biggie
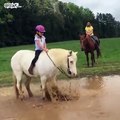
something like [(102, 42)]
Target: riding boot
[(31, 69)]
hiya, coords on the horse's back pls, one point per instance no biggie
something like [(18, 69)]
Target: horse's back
[(19, 57), (22, 53), (22, 59)]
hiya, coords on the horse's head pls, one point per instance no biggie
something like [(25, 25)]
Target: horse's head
[(88, 37), (64, 60), (82, 39), (71, 63)]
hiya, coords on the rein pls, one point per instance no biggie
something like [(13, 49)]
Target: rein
[(60, 69)]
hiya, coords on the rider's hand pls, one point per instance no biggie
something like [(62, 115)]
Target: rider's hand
[(46, 50)]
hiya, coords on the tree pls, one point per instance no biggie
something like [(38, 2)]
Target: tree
[(106, 24), (63, 21)]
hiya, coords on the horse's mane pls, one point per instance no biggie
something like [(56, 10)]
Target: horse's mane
[(61, 52), (57, 51), (87, 39), (53, 50)]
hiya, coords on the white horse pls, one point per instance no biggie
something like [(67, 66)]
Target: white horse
[(47, 67)]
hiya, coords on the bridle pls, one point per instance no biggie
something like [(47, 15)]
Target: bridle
[(60, 69), (82, 39), (68, 64)]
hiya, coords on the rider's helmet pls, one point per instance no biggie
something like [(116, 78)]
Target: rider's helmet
[(40, 28), (88, 24)]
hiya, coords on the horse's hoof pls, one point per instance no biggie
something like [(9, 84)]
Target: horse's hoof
[(31, 95), (53, 100), (22, 97), (43, 98)]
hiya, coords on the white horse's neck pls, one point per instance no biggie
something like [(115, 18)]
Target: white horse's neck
[(59, 56)]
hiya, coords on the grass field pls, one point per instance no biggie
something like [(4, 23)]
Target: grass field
[(109, 63)]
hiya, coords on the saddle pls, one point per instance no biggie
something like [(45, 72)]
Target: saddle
[(95, 40)]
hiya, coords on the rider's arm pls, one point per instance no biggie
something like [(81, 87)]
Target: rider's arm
[(45, 47), (40, 46)]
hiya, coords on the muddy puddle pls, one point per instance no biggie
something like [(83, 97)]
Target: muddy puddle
[(99, 99)]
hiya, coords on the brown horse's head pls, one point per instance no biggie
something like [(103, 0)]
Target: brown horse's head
[(86, 42), (82, 39)]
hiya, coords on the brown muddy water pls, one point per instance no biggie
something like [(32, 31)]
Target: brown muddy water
[(99, 99)]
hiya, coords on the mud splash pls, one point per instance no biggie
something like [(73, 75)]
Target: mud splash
[(98, 100)]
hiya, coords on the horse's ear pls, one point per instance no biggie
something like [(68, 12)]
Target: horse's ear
[(76, 53), (70, 52)]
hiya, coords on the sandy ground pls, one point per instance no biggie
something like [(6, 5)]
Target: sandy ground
[(99, 99)]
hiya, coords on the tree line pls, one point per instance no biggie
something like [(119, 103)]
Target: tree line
[(63, 21)]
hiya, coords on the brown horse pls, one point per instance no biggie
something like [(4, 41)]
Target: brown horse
[(88, 45)]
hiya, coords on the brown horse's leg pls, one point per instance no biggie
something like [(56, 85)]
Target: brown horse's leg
[(27, 85), (98, 52), (87, 57), (92, 58)]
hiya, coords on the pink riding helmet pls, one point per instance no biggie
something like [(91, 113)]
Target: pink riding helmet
[(40, 28)]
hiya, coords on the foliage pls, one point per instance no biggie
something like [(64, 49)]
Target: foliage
[(63, 21)]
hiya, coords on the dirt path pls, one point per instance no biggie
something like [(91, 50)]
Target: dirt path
[(99, 100)]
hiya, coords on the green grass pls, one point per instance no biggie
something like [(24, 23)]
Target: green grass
[(109, 63)]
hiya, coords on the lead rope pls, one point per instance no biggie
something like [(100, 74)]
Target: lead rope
[(60, 69)]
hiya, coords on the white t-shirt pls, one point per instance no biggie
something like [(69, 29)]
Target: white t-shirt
[(41, 40)]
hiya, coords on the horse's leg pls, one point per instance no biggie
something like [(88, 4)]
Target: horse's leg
[(92, 58), (43, 85), (54, 83), (47, 88), (87, 57), (50, 91), (27, 85), (15, 86), (98, 52), (19, 85), (55, 91)]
